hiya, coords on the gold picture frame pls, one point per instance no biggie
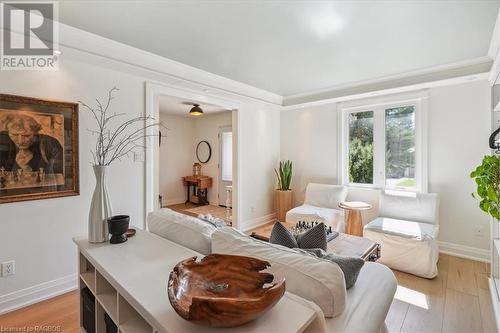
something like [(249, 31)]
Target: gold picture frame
[(38, 149)]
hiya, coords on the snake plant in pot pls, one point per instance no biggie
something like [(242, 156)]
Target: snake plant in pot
[(487, 177), (284, 195)]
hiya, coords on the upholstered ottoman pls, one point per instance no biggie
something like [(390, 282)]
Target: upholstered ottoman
[(407, 231)]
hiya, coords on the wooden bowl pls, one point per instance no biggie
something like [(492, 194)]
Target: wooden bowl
[(222, 290)]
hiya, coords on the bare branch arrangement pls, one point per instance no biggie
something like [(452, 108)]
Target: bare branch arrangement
[(114, 143)]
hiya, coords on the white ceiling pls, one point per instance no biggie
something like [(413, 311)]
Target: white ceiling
[(290, 47), (180, 107)]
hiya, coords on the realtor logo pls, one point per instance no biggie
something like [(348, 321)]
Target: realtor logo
[(29, 35)]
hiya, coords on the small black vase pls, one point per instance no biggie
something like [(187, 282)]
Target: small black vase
[(118, 226)]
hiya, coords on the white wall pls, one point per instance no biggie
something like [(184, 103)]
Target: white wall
[(259, 149), (37, 234), (459, 125), (176, 157), (207, 128)]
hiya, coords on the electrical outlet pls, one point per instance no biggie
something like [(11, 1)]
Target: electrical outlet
[(8, 268), (479, 230)]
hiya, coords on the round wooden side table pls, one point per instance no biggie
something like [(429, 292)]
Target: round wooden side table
[(353, 220)]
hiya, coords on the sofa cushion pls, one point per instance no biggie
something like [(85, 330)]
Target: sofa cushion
[(314, 279), (350, 266), (325, 195), (368, 301), (215, 221), (183, 229), (417, 207), (405, 229)]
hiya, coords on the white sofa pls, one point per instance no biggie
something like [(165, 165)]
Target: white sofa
[(407, 229), (321, 204), (315, 281)]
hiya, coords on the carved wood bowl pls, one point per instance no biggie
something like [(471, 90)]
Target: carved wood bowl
[(222, 290)]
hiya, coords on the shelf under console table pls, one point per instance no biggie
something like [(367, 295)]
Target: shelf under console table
[(129, 283)]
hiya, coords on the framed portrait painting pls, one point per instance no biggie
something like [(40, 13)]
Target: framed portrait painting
[(38, 149)]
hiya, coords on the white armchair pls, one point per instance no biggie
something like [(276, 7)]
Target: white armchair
[(407, 231), (321, 205)]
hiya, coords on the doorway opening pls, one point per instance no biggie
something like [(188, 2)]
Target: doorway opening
[(191, 171)]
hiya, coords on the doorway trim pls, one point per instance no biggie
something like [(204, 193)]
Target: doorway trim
[(153, 91)]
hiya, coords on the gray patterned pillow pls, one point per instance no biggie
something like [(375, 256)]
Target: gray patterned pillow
[(281, 236), (314, 238)]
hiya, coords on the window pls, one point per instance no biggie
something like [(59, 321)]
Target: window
[(400, 147), (383, 144), (361, 147), (227, 156)]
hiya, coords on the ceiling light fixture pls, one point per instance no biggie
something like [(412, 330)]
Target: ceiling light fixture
[(324, 21), (196, 110)]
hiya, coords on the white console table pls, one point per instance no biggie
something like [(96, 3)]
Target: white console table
[(129, 282)]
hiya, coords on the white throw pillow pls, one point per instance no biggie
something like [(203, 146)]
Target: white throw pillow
[(314, 279), (325, 195), (421, 207), (182, 229)]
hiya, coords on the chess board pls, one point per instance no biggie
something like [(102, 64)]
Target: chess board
[(303, 226), (343, 244)]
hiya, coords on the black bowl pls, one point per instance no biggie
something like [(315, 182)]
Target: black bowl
[(118, 226)]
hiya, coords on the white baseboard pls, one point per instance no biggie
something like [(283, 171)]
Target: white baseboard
[(257, 222), (24, 297), (176, 201), (464, 251)]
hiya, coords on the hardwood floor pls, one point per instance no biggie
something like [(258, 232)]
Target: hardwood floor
[(457, 300), (59, 314)]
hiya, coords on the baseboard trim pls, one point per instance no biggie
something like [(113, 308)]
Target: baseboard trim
[(257, 222), (171, 202), (24, 297), (464, 251)]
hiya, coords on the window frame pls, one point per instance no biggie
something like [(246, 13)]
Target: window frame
[(378, 105)]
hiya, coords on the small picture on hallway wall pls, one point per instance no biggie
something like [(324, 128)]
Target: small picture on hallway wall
[(38, 149)]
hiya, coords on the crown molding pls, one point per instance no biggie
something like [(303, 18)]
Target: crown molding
[(422, 78), (388, 91)]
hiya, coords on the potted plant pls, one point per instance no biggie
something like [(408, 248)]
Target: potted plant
[(487, 177), (284, 195)]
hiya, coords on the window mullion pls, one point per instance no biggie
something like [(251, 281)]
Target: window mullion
[(379, 148)]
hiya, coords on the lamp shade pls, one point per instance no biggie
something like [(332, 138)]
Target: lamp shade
[(196, 110)]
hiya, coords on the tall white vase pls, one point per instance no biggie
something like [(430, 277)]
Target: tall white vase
[(100, 208)]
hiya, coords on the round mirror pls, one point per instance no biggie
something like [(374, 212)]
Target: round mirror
[(203, 152)]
